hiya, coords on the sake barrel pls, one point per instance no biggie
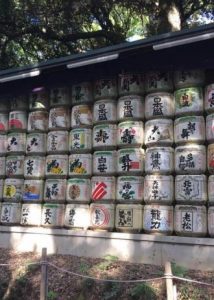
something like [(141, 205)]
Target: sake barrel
[(159, 132), (189, 101), (33, 190), (211, 189), (210, 128), (3, 144), (80, 140), (78, 190), (18, 120), (77, 216), (81, 116), (159, 189), (186, 78), (130, 134), (130, 161), (80, 165), (34, 167), (190, 159), (55, 190), (14, 166), (39, 99), (158, 219), (105, 111), (82, 93), (102, 216), (191, 189), (37, 121), (209, 98), (104, 162), (56, 166), (2, 166), (1, 188), (10, 213), (129, 218), (60, 96), (211, 221), (5, 103), (130, 107), (16, 142), (189, 129), (53, 215), (129, 189), (157, 81), (19, 101), (159, 160), (210, 158), (13, 189), (57, 142), (159, 105), (105, 88), (59, 118), (103, 188), (190, 220), (131, 83), (4, 122), (104, 136), (36, 143), (31, 214)]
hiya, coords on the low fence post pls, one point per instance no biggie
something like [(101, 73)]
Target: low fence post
[(169, 282), (44, 276)]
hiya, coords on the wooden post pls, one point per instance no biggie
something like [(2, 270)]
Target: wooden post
[(44, 276), (169, 282)]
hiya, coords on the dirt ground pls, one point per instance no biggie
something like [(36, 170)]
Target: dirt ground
[(20, 280)]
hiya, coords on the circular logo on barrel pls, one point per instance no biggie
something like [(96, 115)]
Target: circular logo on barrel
[(100, 216)]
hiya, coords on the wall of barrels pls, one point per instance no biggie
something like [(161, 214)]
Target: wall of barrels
[(132, 153)]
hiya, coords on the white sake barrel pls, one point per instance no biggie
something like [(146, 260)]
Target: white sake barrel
[(10, 213), (59, 118), (39, 99), (129, 189), (159, 132), (13, 189), (159, 189), (189, 129), (211, 189), (105, 111), (104, 136), (80, 140), (211, 221), (81, 116), (103, 189), (53, 215), (130, 134), (80, 165), (60, 96), (31, 214), (33, 190), (191, 189), (159, 160), (57, 142), (209, 98), (186, 78), (16, 142), (14, 165), (159, 105), (82, 93), (2, 166), (3, 144), (4, 122), (158, 219), (129, 218), (189, 101), (1, 189), (56, 166), (77, 216), (130, 108), (37, 121), (210, 128), (130, 161), (190, 220), (55, 190), (104, 163), (34, 167), (78, 190), (19, 102), (131, 83), (18, 120), (157, 81), (36, 143), (105, 88), (5, 103), (102, 216), (190, 159)]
